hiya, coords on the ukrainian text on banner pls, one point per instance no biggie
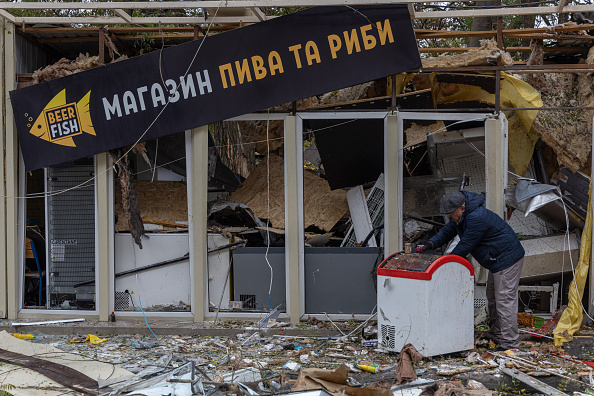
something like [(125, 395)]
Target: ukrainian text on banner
[(192, 84)]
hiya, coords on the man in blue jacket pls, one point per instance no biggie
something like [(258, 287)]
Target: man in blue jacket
[(493, 243)]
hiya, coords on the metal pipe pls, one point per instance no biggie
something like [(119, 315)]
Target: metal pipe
[(161, 263), (435, 223)]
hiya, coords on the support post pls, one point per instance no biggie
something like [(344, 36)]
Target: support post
[(294, 228), (197, 217), (11, 158), (498, 71), (101, 46), (393, 172), (3, 224), (104, 287), (496, 163)]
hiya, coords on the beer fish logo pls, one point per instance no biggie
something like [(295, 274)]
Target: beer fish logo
[(59, 121)]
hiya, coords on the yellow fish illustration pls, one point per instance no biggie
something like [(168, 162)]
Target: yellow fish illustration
[(60, 121)]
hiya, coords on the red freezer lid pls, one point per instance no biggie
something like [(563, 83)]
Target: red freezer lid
[(418, 265)]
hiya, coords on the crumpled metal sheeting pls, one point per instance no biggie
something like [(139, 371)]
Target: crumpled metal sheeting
[(529, 195)]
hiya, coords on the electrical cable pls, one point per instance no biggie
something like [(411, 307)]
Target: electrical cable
[(334, 324), (155, 165), (268, 212), (137, 283), (145, 320), (147, 128), (567, 233), (224, 286), (373, 314), (267, 140)]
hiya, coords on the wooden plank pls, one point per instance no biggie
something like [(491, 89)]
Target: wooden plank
[(123, 14), (148, 5), (501, 11), (164, 223), (63, 375), (322, 207), (28, 250), (544, 10), (136, 20), (562, 4), (533, 382), (160, 201), (9, 17), (189, 29)]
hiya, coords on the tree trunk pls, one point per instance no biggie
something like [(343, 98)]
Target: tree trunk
[(483, 23), (528, 22), (233, 151)]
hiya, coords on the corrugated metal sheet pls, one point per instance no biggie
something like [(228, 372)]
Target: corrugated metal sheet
[(71, 230), (29, 56)]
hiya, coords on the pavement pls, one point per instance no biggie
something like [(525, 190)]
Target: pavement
[(169, 328)]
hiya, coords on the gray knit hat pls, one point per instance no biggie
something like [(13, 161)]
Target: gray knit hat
[(451, 202)]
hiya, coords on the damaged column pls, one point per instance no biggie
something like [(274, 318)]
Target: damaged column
[(197, 216), (104, 285), (496, 163), (294, 232), (393, 170)]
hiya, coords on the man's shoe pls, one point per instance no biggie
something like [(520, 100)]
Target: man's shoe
[(503, 349)]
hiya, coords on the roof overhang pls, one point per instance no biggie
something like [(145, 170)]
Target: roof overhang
[(251, 11)]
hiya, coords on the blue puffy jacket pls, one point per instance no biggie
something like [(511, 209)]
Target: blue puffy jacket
[(489, 239)]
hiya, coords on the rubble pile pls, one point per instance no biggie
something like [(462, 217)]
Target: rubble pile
[(254, 361)]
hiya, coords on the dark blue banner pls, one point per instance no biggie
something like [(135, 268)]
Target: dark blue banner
[(192, 84)]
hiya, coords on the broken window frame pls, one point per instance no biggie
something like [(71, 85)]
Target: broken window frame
[(112, 281), (496, 165), (393, 169), (21, 240)]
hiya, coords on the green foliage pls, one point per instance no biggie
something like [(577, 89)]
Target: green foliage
[(563, 385), (280, 11), (58, 12), (465, 24), (4, 388), (505, 389)]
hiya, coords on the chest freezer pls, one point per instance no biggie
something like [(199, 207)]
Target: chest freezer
[(426, 300)]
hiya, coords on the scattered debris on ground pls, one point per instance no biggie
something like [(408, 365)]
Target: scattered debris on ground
[(253, 362)]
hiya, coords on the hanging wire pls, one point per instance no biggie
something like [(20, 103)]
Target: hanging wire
[(150, 125)]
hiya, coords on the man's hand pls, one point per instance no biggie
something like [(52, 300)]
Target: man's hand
[(424, 244)]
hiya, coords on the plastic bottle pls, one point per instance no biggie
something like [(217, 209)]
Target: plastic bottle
[(24, 336), (112, 317), (368, 366)]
